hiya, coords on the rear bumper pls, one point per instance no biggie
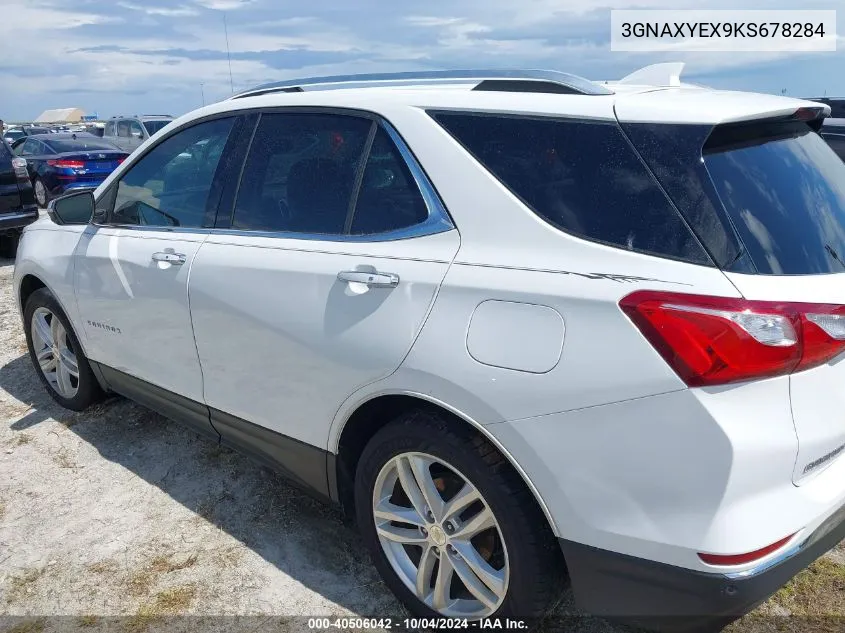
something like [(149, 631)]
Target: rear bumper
[(666, 597), (18, 219)]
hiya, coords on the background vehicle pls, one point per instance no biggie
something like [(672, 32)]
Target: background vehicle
[(62, 162), (836, 104), (17, 201), (522, 320), (129, 132), (13, 134), (833, 131)]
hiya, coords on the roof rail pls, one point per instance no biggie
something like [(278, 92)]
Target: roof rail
[(508, 80)]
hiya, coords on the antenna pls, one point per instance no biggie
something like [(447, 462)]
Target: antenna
[(228, 55)]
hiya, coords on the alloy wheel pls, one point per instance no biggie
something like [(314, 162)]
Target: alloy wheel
[(40, 194), (440, 536), (54, 353)]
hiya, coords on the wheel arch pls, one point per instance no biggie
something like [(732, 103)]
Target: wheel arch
[(374, 412)]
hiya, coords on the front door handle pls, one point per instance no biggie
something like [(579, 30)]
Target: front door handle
[(373, 280), (177, 259)]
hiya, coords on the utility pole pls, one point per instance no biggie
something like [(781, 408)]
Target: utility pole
[(228, 54)]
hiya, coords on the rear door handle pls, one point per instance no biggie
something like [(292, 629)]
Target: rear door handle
[(177, 259), (373, 280)]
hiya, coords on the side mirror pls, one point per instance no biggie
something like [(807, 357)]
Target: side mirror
[(73, 208)]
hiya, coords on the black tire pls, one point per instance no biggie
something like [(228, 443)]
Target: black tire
[(537, 569), (88, 390), (42, 204)]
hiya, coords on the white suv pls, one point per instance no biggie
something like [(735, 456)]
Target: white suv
[(520, 324)]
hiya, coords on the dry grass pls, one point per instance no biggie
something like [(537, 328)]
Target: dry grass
[(22, 439), (141, 582), (817, 591), (104, 567), (22, 584), (28, 626), (63, 459), (171, 601)]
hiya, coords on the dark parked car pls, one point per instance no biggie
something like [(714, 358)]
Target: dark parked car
[(833, 131), (837, 105), (17, 200), (59, 163), (16, 133)]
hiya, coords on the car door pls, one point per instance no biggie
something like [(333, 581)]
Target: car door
[(321, 280), (132, 269), (10, 195), (136, 134)]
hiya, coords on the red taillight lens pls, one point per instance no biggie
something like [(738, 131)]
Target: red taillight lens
[(740, 559), (121, 159), (720, 340), (67, 164)]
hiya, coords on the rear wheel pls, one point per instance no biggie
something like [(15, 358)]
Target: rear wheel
[(451, 527), (57, 355), (42, 196)]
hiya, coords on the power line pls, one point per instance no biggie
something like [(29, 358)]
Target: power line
[(228, 54)]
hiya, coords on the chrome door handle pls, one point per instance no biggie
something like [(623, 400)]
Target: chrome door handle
[(373, 280), (177, 259)]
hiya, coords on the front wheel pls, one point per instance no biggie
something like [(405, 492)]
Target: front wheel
[(56, 353), (451, 527)]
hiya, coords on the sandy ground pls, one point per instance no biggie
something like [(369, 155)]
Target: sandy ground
[(117, 519)]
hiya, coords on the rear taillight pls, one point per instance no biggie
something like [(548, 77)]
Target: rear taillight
[(67, 164), (719, 340), (19, 165), (121, 159)]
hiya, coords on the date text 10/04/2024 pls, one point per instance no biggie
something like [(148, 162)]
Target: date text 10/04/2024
[(415, 624)]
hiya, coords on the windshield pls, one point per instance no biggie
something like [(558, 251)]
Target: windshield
[(155, 126), (784, 190), (14, 134), (79, 144)]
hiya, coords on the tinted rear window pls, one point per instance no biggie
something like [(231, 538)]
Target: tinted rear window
[(784, 190), (80, 144), (154, 126), (580, 176)]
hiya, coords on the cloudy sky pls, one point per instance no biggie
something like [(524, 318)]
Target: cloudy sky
[(159, 56)]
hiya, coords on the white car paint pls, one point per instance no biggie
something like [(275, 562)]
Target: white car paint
[(619, 452)]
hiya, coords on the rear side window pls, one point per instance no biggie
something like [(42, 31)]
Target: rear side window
[(300, 173), (580, 176), (326, 174), (784, 189)]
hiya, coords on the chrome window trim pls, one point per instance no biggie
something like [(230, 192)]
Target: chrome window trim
[(438, 220)]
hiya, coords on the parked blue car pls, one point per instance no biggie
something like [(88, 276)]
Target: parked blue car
[(59, 163)]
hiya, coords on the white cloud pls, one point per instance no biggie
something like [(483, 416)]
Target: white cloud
[(224, 5), (165, 11)]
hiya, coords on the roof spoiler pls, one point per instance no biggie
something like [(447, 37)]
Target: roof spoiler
[(667, 74)]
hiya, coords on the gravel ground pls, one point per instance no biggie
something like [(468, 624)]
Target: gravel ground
[(118, 519)]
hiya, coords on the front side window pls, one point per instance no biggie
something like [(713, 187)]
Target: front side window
[(135, 130), (110, 129), (170, 185), (580, 176), (123, 128)]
